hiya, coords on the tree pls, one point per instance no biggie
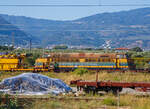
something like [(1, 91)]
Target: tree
[(137, 49), (6, 48), (81, 71), (30, 59), (60, 47)]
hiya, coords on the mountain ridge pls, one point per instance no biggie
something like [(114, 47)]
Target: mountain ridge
[(10, 34), (122, 29)]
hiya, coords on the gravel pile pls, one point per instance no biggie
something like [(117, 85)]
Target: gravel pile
[(32, 83)]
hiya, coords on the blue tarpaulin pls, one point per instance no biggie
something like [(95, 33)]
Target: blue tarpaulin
[(32, 83)]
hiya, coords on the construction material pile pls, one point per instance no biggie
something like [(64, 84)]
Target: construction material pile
[(32, 83)]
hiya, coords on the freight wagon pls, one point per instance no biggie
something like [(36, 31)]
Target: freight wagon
[(109, 86), (13, 62), (9, 62)]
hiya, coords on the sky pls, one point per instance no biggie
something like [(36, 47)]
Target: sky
[(66, 13)]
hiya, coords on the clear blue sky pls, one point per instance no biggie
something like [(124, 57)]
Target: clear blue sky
[(65, 13)]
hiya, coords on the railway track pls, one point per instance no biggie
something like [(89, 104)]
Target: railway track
[(34, 98)]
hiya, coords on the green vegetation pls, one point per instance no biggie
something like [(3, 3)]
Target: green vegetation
[(81, 71), (141, 59), (110, 101), (30, 58), (9, 103), (137, 49), (60, 47), (4, 48)]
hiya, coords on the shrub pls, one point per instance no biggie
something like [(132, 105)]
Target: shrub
[(110, 102), (137, 49), (10, 103), (81, 71)]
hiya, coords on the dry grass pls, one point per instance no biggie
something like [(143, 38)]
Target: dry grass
[(135, 102), (109, 102), (4, 75), (103, 76), (71, 104), (126, 101)]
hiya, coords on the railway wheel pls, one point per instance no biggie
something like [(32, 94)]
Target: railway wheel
[(116, 90), (91, 90)]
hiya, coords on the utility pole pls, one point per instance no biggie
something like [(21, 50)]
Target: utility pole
[(13, 40), (30, 45), (97, 76), (118, 100)]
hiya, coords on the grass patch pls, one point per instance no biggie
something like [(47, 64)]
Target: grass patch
[(81, 71), (110, 102)]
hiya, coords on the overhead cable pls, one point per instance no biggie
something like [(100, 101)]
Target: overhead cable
[(71, 5)]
